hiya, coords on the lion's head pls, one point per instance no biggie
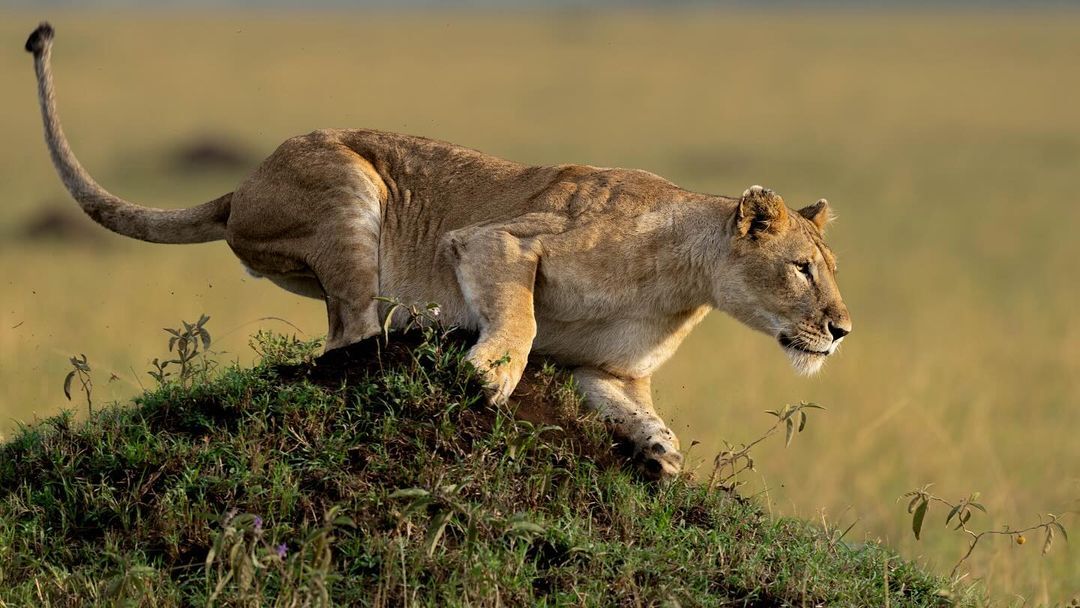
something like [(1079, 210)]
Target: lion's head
[(781, 278)]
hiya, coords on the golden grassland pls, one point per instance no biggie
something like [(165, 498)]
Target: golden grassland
[(949, 145)]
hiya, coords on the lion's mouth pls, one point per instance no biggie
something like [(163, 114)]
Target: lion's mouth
[(793, 344)]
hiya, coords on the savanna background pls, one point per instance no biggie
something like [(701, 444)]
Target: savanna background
[(948, 143)]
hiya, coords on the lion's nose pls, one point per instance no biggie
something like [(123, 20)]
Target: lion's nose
[(837, 331)]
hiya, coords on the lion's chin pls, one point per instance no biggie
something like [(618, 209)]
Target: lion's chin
[(806, 363)]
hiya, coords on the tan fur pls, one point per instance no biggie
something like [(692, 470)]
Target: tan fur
[(602, 270)]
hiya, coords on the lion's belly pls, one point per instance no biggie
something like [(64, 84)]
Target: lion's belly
[(625, 346)]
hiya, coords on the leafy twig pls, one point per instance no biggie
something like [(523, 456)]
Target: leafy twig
[(962, 511), (729, 463), (80, 370), (419, 316), (189, 343)]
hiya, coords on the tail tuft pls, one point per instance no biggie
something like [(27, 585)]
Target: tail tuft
[(40, 39)]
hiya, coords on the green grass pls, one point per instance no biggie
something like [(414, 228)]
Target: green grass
[(394, 486)]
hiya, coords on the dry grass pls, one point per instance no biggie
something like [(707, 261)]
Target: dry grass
[(948, 144)]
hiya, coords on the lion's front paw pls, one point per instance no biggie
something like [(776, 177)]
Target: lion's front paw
[(501, 372), (659, 461)]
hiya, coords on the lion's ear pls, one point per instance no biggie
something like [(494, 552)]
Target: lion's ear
[(760, 211), (818, 213)]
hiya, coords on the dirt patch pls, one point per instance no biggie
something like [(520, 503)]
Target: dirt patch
[(211, 154), (58, 221)]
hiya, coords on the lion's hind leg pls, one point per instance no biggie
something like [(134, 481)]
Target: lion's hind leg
[(346, 266), (310, 220)]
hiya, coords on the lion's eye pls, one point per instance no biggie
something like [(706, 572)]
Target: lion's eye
[(804, 268)]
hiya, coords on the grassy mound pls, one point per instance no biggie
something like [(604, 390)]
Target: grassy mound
[(380, 477)]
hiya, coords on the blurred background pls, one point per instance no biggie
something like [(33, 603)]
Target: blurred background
[(946, 139)]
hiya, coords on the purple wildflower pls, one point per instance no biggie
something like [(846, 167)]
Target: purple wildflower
[(282, 550), (258, 524)]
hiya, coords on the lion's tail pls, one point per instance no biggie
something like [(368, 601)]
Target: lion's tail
[(199, 224)]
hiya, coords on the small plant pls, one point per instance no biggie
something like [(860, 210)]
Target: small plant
[(729, 463), (243, 561), (189, 344), (278, 349), (424, 317), (80, 370), (130, 584), (961, 513)]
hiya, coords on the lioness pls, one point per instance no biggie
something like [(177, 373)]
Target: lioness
[(602, 270)]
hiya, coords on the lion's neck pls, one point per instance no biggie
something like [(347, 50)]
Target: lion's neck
[(705, 251)]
